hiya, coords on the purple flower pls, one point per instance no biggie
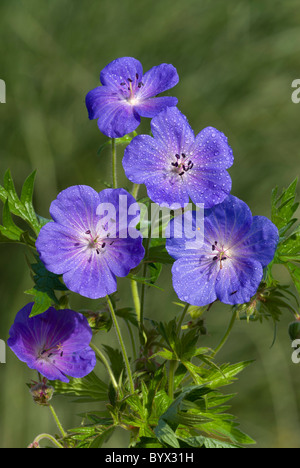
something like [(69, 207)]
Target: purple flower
[(229, 264), (92, 239), (128, 94), (175, 165), (55, 343)]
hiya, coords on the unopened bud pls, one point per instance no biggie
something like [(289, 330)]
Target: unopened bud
[(41, 393)]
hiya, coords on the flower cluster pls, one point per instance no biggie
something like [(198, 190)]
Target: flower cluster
[(93, 238)]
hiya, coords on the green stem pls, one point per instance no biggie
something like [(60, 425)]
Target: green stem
[(106, 364), (114, 162), (49, 437), (143, 290), (135, 190), (182, 317), (225, 337), (118, 331), (58, 423), (172, 368), (132, 340), (136, 300)]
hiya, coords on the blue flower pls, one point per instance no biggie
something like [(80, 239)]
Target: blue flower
[(92, 239), (175, 165), (127, 94), (229, 264), (55, 343)]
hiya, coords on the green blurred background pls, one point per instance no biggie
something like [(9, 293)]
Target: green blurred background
[(236, 62)]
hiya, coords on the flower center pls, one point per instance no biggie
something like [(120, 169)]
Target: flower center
[(97, 243), (182, 164), (45, 353), (129, 87), (220, 254)]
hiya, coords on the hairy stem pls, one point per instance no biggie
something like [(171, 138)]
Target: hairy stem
[(58, 423), (226, 336), (118, 332), (49, 437), (106, 364), (135, 190), (114, 162)]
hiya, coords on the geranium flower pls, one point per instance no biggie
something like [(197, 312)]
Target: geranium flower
[(92, 239), (175, 165), (128, 94), (229, 264), (55, 343)]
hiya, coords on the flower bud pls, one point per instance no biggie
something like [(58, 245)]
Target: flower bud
[(294, 330), (41, 393)]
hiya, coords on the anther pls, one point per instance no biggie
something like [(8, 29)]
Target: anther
[(98, 251), (137, 76), (213, 247), (175, 164), (215, 258), (88, 232), (181, 173), (122, 84), (130, 80), (103, 245)]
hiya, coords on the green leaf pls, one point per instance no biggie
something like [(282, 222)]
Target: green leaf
[(23, 207), (116, 360), (102, 438), (165, 434), (46, 283), (284, 207), (89, 388), (295, 275)]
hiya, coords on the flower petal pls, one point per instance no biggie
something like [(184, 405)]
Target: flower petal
[(91, 278), (261, 241), (119, 70), (208, 186), (158, 79), (194, 279), (238, 280), (172, 130), (153, 106), (212, 150), (227, 222)]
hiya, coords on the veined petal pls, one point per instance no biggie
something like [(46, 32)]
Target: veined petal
[(118, 118), (143, 157), (119, 70), (75, 208), (208, 186), (194, 279), (228, 222), (172, 130), (238, 280), (211, 150), (153, 106), (260, 242), (91, 277), (158, 79)]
